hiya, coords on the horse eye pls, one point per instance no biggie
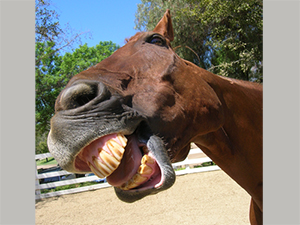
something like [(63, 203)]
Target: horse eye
[(157, 41)]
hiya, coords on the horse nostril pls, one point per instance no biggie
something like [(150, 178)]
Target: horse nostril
[(78, 95)]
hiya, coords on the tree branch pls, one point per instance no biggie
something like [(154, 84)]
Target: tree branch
[(222, 64), (56, 50), (179, 46)]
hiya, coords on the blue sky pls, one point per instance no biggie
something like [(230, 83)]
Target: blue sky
[(105, 20)]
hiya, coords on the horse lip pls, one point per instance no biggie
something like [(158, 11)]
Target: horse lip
[(156, 147)]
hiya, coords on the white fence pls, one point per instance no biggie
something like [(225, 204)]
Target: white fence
[(195, 157)]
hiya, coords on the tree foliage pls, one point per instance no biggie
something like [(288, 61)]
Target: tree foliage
[(48, 83), (226, 35), (84, 57)]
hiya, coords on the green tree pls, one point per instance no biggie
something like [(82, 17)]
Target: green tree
[(52, 75), (225, 35), (47, 87), (84, 57)]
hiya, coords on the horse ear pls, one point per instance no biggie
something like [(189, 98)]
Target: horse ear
[(164, 26)]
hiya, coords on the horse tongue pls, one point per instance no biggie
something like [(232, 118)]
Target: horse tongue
[(129, 164)]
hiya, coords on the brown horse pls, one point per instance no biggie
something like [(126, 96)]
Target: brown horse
[(131, 115)]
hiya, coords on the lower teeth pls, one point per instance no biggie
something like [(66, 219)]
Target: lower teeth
[(143, 174)]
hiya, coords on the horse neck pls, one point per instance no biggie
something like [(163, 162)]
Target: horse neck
[(237, 145)]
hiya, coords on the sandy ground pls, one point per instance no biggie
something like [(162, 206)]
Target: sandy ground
[(207, 198), (46, 166)]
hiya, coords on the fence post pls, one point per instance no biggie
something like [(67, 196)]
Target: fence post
[(37, 183)]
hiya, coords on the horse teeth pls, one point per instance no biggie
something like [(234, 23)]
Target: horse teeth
[(116, 149), (138, 179), (135, 181), (147, 159), (122, 139), (95, 171), (102, 167), (109, 160), (108, 163), (145, 170)]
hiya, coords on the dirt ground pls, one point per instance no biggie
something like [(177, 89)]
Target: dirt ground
[(208, 198)]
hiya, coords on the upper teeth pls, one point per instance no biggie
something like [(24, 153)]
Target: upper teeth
[(116, 149), (106, 163), (122, 139)]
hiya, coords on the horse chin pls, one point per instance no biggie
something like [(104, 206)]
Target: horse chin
[(141, 165)]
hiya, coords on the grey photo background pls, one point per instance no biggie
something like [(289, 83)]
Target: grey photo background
[(17, 175), (281, 112)]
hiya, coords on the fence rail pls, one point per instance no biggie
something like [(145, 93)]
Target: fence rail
[(196, 157)]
